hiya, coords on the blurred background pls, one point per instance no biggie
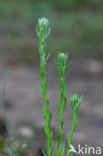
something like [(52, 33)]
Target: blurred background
[(76, 27)]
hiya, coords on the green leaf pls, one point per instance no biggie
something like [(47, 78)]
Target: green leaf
[(44, 152)]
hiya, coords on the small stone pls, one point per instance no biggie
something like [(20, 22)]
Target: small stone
[(26, 131), (94, 66)]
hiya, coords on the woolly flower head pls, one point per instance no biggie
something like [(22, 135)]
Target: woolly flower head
[(42, 28), (43, 21), (62, 57), (75, 102)]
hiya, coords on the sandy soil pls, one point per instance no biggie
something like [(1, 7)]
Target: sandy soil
[(24, 104)]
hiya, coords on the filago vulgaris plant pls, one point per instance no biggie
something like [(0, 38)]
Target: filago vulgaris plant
[(43, 30)]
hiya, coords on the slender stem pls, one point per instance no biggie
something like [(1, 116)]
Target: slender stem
[(70, 137), (62, 69), (46, 107), (43, 30), (4, 110), (75, 102), (62, 97)]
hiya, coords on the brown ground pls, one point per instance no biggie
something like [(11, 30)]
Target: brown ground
[(25, 105)]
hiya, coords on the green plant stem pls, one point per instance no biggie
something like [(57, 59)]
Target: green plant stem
[(70, 137), (62, 103), (43, 31), (4, 110), (75, 102), (47, 114), (62, 69)]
